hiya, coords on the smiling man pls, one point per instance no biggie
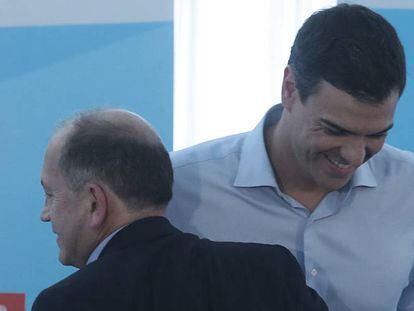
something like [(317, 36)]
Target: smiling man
[(107, 179), (315, 175), (323, 139)]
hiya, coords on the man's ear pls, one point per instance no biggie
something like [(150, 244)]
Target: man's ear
[(289, 91), (98, 204)]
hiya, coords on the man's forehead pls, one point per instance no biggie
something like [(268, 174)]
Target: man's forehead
[(53, 151), (336, 98), (51, 159), (337, 109)]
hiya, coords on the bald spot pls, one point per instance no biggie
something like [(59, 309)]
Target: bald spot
[(130, 122)]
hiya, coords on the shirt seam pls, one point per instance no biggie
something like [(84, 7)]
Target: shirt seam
[(206, 160)]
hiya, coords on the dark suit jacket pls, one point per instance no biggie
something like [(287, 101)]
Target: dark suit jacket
[(152, 266)]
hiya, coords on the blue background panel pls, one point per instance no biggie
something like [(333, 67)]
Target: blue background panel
[(402, 135), (47, 74)]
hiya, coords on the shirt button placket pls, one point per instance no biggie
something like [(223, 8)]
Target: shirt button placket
[(310, 268)]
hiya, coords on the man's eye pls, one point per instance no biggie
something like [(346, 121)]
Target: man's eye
[(378, 136), (334, 132)]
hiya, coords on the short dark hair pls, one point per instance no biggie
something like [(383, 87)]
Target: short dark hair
[(351, 47), (139, 172)]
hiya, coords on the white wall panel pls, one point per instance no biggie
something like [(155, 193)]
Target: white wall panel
[(67, 12)]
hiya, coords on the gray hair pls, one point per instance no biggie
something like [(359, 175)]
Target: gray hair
[(123, 152)]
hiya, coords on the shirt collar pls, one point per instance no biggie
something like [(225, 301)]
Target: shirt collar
[(363, 177), (255, 169), (97, 251)]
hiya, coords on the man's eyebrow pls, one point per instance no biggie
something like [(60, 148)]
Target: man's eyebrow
[(384, 131), (334, 126)]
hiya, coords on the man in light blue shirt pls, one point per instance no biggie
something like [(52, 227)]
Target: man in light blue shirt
[(315, 175)]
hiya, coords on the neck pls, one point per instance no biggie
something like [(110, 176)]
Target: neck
[(289, 175)]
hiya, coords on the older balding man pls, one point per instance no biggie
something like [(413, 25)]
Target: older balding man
[(107, 179)]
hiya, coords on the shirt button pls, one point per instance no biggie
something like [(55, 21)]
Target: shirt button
[(314, 272)]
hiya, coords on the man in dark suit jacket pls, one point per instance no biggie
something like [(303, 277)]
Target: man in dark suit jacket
[(107, 180)]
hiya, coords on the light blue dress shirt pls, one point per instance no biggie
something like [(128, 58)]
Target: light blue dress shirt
[(356, 249)]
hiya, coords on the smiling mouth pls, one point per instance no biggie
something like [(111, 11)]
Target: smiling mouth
[(339, 165)]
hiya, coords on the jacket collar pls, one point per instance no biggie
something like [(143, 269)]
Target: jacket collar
[(140, 232)]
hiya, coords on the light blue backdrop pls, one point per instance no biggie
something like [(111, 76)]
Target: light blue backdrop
[(47, 74), (402, 135)]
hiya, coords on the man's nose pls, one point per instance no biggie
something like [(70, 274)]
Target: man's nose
[(45, 214), (354, 151)]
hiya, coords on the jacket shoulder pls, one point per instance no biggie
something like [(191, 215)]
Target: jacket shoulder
[(51, 299)]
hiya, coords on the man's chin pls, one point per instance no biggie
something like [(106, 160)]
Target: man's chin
[(332, 183), (337, 183), (64, 260)]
